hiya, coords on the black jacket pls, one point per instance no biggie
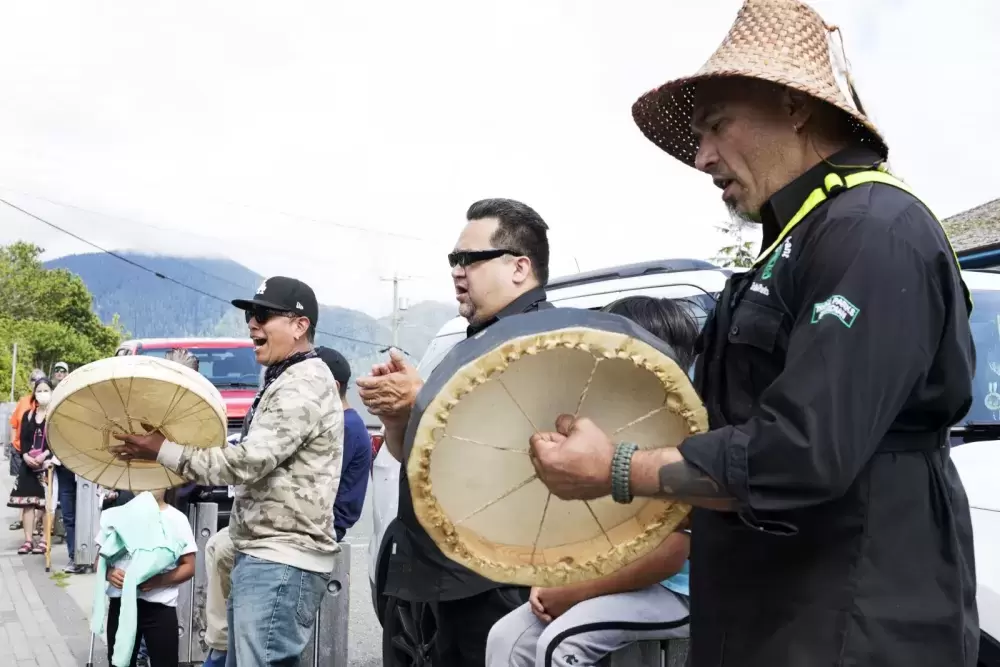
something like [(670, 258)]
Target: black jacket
[(831, 374)]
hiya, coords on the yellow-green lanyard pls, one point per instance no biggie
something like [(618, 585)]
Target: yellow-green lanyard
[(834, 181)]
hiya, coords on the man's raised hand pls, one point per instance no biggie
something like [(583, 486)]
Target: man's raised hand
[(391, 390)]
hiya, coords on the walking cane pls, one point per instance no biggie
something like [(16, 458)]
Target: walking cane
[(48, 519), (90, 656)]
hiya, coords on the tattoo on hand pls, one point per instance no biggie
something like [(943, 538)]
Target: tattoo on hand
[(683, 480)]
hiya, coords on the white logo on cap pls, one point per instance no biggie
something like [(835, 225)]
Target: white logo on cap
[(263, 286), (299, 306)]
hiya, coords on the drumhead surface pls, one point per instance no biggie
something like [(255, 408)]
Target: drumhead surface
[(473, 486), (119, 395)]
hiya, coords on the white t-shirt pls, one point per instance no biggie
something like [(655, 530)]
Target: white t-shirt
[(178, 524)]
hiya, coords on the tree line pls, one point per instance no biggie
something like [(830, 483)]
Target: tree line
[(49, 314), (739, 251)]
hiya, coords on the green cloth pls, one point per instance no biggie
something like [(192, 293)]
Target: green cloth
[(136, 529)]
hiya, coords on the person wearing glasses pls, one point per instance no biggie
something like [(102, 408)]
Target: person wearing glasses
[(499, 267), (286, 470)]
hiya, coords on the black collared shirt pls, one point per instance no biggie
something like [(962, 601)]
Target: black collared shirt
[(831, 373), (417, 569)]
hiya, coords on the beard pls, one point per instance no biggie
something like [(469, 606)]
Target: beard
[(467, 310), (742, 220)]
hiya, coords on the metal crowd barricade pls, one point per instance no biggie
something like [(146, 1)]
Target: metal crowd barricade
[(204, 518), (6, 446), (88, 522), (329, 643), (6, 410), (650, 653)]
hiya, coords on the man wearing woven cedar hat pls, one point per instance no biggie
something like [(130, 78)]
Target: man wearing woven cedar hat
[(830, 526)]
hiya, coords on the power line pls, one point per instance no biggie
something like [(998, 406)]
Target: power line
[(132, 223), (109, 252), (299, 216), (357, 228), (163, 276)]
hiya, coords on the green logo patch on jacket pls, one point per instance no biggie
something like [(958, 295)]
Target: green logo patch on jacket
[(837, 306)]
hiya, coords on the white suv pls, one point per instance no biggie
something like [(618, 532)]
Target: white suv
[(976, 440), (976, 453)]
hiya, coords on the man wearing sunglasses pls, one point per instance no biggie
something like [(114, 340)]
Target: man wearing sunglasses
[(499, 267), (286, 470)]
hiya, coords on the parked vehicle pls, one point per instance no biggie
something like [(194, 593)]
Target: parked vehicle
[(408, 631), (976, 444), (228, 363)]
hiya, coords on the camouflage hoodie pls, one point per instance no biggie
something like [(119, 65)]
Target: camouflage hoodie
[(286, 470)]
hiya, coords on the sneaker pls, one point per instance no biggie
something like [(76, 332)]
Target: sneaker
[(73, 568)]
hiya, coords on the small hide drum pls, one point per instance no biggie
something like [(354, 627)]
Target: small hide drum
[(473, 486), (119, 395)]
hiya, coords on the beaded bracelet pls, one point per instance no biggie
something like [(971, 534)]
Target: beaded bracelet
[(621, 472)]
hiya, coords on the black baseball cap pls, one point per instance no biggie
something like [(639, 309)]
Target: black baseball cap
[(283, 294), (338, 364)]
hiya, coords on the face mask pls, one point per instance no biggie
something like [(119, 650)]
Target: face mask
[(43, 396)]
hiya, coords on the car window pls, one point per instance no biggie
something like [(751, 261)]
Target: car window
[(437, 351), (699, 305), (225, 367), (985, 324)]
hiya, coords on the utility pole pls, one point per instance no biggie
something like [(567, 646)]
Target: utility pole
[(397, 316), (395, 311), (13, 372)]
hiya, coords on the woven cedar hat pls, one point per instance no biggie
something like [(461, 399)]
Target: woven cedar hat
[(782, 41)]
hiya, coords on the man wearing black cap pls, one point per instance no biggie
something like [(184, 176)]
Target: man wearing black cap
[(286, 470), (357, 450)]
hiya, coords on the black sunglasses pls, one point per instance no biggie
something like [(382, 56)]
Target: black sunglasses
[(466, 258), (262, 314)]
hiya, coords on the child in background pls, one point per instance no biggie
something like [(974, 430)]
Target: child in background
[(579, 624), (156, 622)]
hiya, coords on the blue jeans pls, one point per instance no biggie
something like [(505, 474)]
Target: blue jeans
[(271, 611), (67, 501)]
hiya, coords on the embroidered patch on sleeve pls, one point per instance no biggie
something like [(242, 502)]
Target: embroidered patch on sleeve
[(838, 307)]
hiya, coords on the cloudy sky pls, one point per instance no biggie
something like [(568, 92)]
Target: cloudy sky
[(342, 141)]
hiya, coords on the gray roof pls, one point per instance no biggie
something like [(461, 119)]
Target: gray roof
[(976, 227)]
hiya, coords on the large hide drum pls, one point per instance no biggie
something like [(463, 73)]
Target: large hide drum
[(472, 482), (119, 395)]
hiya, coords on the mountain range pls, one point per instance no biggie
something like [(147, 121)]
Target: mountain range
[(150, 306)]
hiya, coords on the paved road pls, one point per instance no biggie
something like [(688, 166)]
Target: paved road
[(65, 603), (39, 622)]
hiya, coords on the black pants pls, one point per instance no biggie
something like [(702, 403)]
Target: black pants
[(156, 623), (464, 625)]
